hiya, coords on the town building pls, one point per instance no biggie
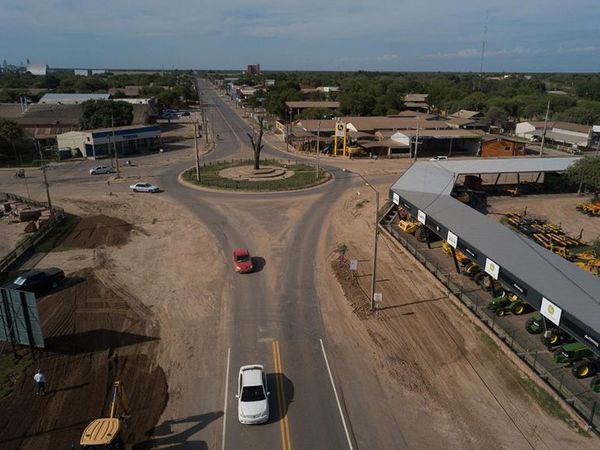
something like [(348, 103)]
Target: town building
[(40, 70), (100, 143), (495, 146), (416, 102), (71, 99), (572, 135)]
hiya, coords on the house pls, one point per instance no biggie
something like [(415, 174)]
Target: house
[(416, 102), (494, 146)]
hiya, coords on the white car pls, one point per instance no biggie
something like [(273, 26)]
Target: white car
[(439, 158), (144, 187), (253, 395), (98, 170)]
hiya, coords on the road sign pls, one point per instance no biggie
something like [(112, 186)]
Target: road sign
[(19, 318), (354, 264), (377, 297)]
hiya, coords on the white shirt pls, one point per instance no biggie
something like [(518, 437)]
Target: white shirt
[(39, 378)]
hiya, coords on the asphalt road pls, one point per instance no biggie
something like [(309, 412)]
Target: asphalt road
[(273, 317)]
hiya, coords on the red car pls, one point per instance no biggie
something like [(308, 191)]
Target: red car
[(242, 260)]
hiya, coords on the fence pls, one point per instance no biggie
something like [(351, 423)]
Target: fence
[(33, 239), (585, 407)]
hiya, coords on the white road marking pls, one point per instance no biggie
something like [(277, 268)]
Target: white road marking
[(337, 399), (225, 402)]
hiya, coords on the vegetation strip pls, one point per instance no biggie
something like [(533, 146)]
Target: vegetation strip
[(304, 176)]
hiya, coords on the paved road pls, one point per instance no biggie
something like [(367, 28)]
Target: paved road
[(273, 316), (270, 317)]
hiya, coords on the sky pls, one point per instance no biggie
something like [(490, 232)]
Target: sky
[(374, 35)]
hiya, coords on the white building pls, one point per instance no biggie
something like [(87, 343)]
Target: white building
[(71, 99), (37, 69), (81, 72), (99, 143), (566, 133)]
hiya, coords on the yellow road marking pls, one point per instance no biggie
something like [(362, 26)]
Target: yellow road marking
[(281, 404)]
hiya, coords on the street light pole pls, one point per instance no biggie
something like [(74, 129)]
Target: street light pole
[(375, 236), (196, 147)]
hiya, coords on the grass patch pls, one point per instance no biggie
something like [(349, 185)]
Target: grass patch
[(52, 241), (361, 203), (304, 176), (549, 404), (10, 371)]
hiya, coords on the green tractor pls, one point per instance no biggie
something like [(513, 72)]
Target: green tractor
[(595, 384), (552, 337), (583, 361), (508, 302)]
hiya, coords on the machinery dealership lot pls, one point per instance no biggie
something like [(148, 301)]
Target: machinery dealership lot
[(152, 299)]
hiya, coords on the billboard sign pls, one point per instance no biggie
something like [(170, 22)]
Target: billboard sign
[(19, 318)]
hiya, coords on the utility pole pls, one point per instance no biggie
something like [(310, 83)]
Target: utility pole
[(417, 141), (375, 236), (45, 179), (196, 146), (318, 145), (112, 123), (545, 127)]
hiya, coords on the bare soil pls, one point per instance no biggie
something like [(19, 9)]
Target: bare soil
[(96, 331), (11, 234), (557, 208), (444, 382)]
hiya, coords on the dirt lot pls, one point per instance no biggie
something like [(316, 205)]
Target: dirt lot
[(444, 380), (556, 208), (94, 334), (11, 234), (112, 320)]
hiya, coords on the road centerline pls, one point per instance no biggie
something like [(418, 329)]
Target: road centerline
[(283, 422)]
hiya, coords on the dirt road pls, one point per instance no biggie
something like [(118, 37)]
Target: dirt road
[(440, 379)]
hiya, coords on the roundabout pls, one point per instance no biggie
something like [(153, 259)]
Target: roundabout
[(240, 175)]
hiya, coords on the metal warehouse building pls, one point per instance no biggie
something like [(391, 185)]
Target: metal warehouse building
[(99, 143), (565, 294)]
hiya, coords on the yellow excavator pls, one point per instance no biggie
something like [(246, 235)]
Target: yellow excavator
[(105, 433)]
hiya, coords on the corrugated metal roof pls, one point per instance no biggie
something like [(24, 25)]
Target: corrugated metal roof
[(428, 185), (72, 98), (312, 104)]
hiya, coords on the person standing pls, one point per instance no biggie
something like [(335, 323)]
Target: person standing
[(40, 383)]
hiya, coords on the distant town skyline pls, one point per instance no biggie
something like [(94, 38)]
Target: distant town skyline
[(385, 35)]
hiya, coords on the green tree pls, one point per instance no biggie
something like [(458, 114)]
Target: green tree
[(10, 132), (586, 172), (101, 113)]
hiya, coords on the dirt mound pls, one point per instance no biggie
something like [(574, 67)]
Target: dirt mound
[(94, 231), (92, 339)]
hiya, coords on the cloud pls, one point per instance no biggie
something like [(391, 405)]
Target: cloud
[(474, 53), (587, 49)]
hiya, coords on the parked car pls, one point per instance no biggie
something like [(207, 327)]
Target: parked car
[(185, 114), (439, 158), (144, 187), (37, 280), (253, 401), (242, 260), (99, 170)]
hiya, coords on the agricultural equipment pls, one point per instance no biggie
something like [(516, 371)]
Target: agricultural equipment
[(591, 209), (595, 384), (508, 302), (105, 433), (409, 226), (471, 269), (552, 336), (580, 357)]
